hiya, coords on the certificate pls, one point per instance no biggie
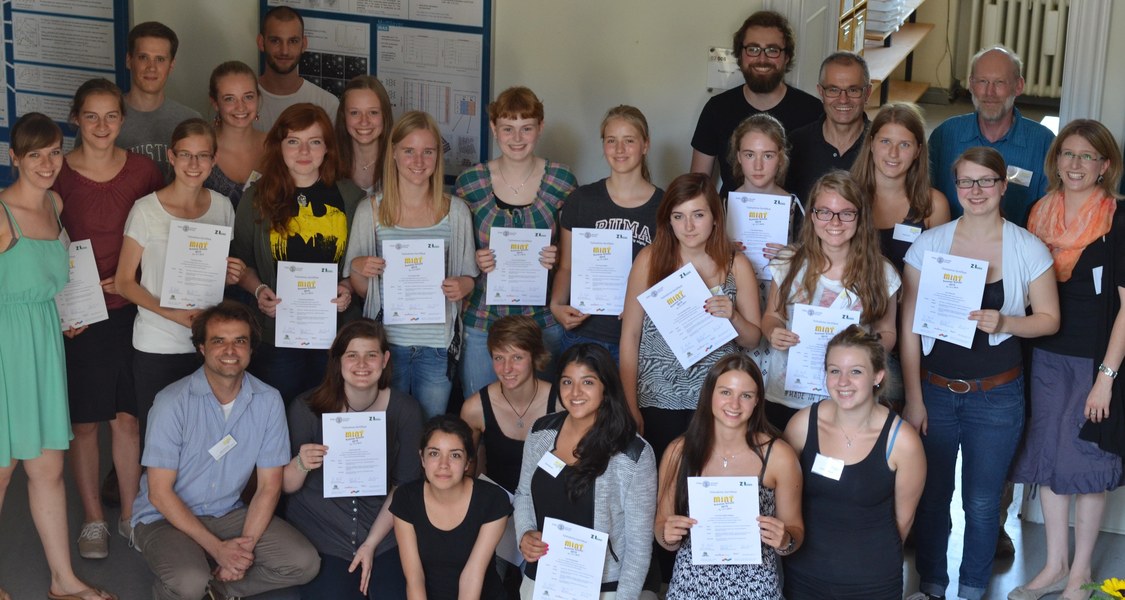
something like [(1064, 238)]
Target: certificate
[(356, 462), (949, 288), (815, 326), (518, 278), (572, 570), (195, 268), (675, 306), (755, 220), (81, 302), (600, 260), (727, 510), (412, 281), (306, 316)]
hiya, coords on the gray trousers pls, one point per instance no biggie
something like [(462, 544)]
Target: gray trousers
[(282, 558)]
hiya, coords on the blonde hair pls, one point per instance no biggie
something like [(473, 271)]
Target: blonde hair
[(412, 121)]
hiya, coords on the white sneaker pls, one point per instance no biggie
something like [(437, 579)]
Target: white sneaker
[(93, 542)]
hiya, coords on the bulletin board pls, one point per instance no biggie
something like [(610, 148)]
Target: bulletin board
[(50, 48), (432, 55)]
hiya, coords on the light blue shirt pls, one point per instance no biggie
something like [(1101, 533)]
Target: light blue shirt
[(187, 420), (1024, 146)]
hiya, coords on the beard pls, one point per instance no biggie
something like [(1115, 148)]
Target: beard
[(993, 113), (762, 83), (276, 68)]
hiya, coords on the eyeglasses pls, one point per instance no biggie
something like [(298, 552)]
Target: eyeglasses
[(1084, 157), (203, 157), (845, 216), (983, 182), (756, 51), (834, 92)]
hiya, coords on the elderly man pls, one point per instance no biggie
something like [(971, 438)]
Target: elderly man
[(995, 82), (765, 48), (834, 140), (207, 434)]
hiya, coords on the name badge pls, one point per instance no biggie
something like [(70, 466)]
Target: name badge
[(1097, 281), (906, 233), (829, 467), (225, 445), (1019, 176), (551, 464)]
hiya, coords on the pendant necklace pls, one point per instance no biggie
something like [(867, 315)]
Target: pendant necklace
[(515, 189), (364, 409), (519, 416)]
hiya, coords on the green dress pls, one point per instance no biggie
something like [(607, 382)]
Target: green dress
[(33, 408)]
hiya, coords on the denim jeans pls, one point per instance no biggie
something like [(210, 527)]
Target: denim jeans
[(333, 581), (572, 339), (476, 360), (987, 426), (421, 372)]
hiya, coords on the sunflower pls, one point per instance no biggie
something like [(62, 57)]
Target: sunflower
[(1113, 587)]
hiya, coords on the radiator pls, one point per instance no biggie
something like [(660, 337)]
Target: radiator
[(1034, 29)]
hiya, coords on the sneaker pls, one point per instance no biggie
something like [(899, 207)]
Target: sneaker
[(125, 529), (93, 542), (213, 593), (924, 596)]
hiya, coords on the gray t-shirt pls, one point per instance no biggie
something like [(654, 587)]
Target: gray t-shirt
[(150, 133), (590, 206)]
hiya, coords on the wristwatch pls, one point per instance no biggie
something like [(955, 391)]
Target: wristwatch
[(1108, 372)]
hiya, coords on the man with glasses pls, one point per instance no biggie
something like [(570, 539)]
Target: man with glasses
[(151, 117), (995, 82), (834, 140), (765, 48), (208, 433)]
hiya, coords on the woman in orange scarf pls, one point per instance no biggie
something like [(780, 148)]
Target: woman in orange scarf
[(1074, 391)]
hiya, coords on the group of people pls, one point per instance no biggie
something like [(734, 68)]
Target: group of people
[(586, 418)]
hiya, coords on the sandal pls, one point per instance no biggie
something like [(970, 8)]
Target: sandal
[(84, 594)]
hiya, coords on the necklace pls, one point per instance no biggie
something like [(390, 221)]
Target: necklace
[(302, 200), (515, 189), (364, 409), (368, 165), (848, 440), (726, 459), (519, 416)]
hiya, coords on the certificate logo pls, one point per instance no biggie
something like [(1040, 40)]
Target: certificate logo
[(185, 228), (941, 260)]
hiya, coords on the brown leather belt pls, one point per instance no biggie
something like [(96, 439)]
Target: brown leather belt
[(962, 386)]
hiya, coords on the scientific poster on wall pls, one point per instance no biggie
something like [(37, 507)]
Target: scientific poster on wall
[(52, 46), (432, 55)]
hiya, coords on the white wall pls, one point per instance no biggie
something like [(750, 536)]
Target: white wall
[(580, 56), (1113, 95)]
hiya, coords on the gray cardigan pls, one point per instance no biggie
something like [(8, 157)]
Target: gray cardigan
[(251, 243), (624, 504), (362, 241)]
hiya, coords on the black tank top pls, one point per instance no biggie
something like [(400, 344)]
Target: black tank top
[(504, 455), (851, 536)]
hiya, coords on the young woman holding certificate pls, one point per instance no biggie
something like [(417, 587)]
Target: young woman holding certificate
[(626, 199), (660, 394), (520, 190), (162, 336), (299, 211), (730, 437), (836, 263), (413, 206), (972, 399), (863, 472), (33, 400), (587, 466), (357, 380), (99, 183), (1075, 438), (363, 121), (448, 524)]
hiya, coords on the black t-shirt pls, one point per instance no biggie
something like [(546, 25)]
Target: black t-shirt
[(445, 553), (983, 360), (319, 232), (810, 157), (591, 207), (1081, 309), (549, 495), (723, 113)]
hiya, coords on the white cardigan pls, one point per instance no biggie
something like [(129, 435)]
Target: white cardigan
[(1025, 258)]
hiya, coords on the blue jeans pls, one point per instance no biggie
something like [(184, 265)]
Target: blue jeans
[(334, 581), (572, 339), (987, 427), (421, 372), (476, 360), (290, 370)]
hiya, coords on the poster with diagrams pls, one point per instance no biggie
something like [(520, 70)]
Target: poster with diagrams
[(50, 48), (432, 55)]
